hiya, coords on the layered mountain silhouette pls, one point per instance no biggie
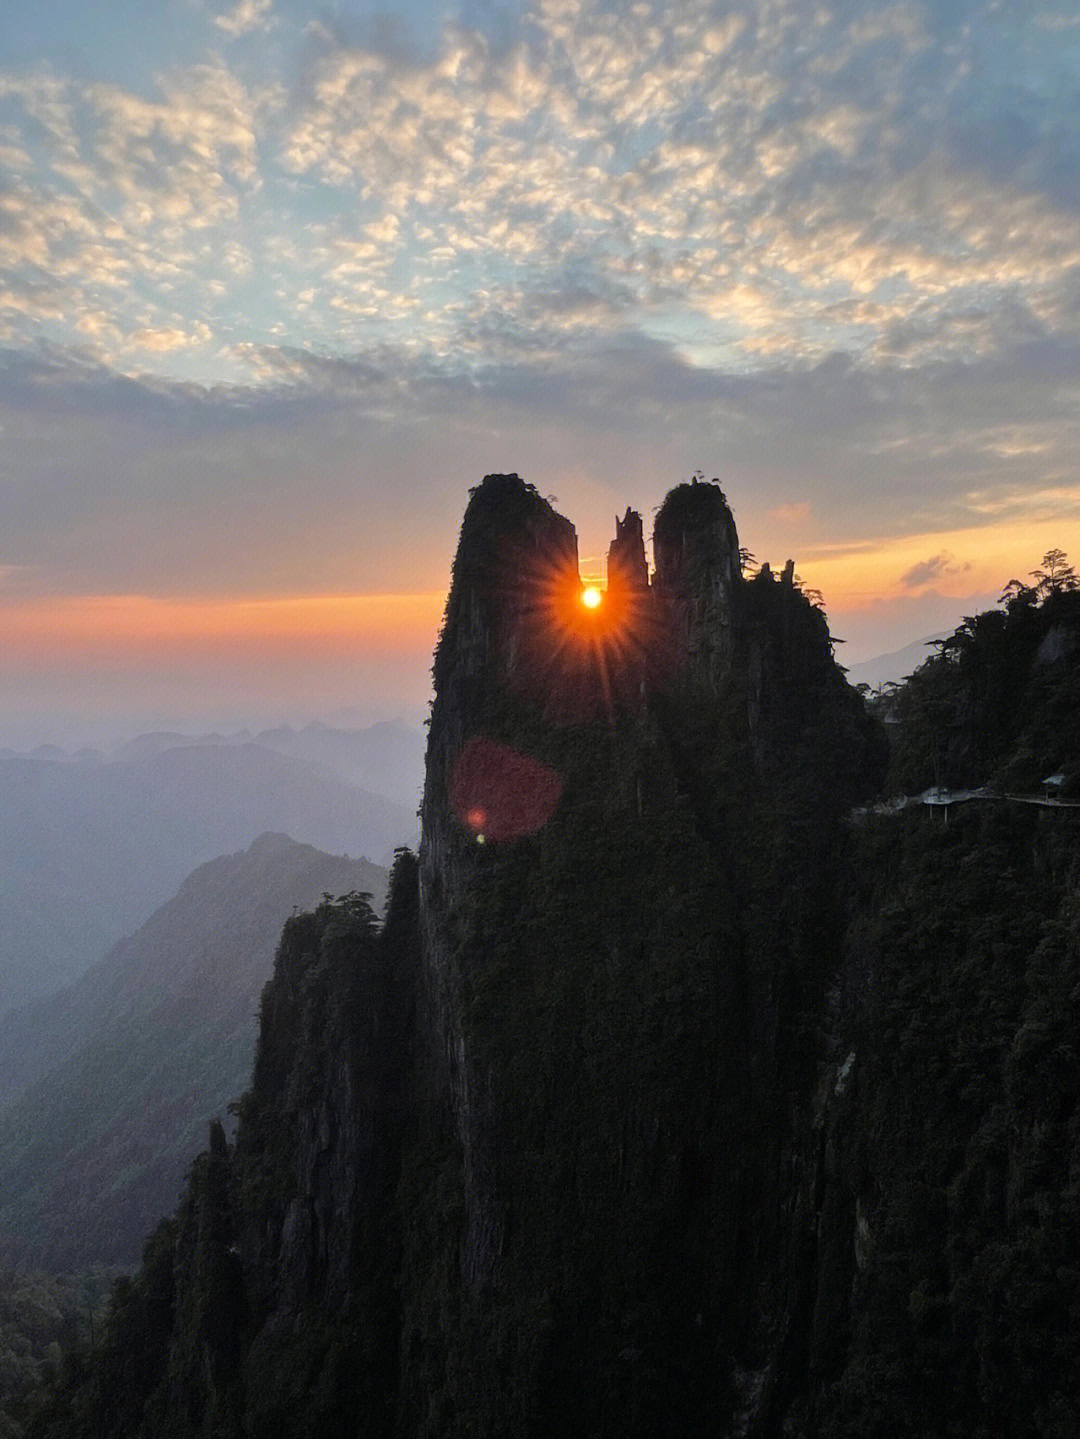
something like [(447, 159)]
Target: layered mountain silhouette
[(88, 850), (110, 1082)]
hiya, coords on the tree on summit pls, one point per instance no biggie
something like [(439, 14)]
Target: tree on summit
[(1055, 576)]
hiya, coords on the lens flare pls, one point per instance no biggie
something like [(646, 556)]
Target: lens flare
[(498, 793), (582, 651)]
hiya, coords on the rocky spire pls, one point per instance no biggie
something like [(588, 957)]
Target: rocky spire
[(626, 567), (515, 558), (696, 550)]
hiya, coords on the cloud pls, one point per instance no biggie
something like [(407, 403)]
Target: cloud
[(810, 251), (161, 341), (246, 16), (12, 577), (928, 571), (668, 156), (180, 148), (792, 514), (130, 219), (329, 450), (874, 179)]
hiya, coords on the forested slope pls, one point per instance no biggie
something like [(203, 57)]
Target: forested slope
[(999, 703), (949, 1292)]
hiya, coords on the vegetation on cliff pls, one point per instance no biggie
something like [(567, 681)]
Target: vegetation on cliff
[(41, 1315), (999, 703), (267, 1304), (948, 1292)]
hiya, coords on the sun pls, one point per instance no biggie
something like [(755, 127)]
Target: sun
[(591, 597)]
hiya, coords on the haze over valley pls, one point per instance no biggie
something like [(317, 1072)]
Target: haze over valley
[(90, 846)]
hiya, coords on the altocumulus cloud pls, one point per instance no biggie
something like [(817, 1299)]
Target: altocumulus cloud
[(246, 16), (829, 253), (883, 179)]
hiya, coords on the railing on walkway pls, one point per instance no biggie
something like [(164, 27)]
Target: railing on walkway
[(938, 798)]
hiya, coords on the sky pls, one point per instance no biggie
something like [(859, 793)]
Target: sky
[(279, 283)]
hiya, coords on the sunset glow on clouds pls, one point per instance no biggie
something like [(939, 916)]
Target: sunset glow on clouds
[(277, 289)]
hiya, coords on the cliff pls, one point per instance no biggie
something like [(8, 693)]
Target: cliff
[(667, 1101)]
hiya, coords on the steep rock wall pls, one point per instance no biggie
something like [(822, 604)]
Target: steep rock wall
[(630, 999), (543, 1158)]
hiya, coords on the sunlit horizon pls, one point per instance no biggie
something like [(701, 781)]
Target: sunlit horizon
[(80, 668), (277, 288)]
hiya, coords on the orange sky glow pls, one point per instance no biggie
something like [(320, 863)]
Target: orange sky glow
[(860, 315), (976, 560), (853, 576), (71, 627), (79, 668), (213, 661)]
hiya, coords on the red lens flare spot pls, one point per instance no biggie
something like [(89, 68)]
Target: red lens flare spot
[(499, 793)]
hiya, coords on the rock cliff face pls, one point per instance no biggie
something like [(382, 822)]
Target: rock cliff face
[(515, 558), (623, 998), (542, 1157), (626, 564), (668, 1101), (698, 574)]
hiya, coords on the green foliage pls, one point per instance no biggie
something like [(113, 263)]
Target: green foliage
[(1056, 575), (201, 1340), (591, 1019), (40, 1315), (959, 1136), (1000, 702)]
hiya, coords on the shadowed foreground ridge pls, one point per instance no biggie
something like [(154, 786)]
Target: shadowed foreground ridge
[(665, 1102)]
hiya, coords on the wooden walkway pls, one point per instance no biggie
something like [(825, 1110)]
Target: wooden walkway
[(937, 798)]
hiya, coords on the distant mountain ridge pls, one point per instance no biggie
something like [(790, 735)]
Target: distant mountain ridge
[(88, 849), (386, 758), (112, 1081), (895, 666)]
